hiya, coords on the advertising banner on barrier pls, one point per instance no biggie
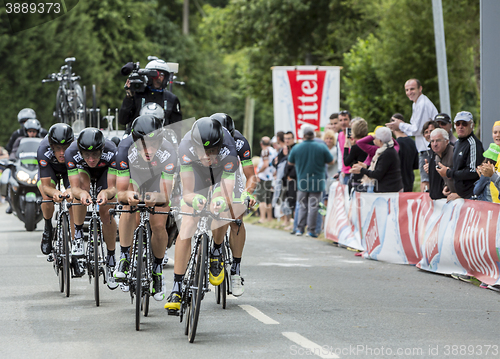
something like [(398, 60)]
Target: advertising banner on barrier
[(304, 95), (461, 236)]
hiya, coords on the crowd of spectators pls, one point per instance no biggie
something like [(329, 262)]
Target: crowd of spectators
[(295, 177)]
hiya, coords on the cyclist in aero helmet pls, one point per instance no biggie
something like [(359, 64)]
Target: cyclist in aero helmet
[(146, 164), (92, 157), (51, 170), (206, 152), (241, 193)]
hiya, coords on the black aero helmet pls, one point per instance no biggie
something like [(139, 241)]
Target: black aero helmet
[(153, 109), (116, 140), (91, 139), (147, 127), (25, 114), (207, 133), (32, 124), (61, 134), (225, 120)]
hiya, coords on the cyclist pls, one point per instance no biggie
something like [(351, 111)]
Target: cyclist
[(207, 154), (241, 192), (155, 92), (51, 168), (93, 157), (155, 110), (23, 115), (146, 164)]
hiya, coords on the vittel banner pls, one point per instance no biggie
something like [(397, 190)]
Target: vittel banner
[(304, 95)]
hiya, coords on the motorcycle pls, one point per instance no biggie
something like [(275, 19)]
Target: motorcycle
[(19, 180)]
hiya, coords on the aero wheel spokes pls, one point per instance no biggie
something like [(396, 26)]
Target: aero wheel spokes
[(197, 292), (65, 254), (95, 255), (138, 279)]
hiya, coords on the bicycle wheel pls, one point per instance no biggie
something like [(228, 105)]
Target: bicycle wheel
[(95, 239), (223, 285), (65, 254), (58, 256), (197, 292), (138, 278)]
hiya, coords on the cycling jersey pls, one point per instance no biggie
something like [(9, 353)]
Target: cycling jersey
[(145, 175), (225, 165), (243, 149), (107, 164), (49, 166)]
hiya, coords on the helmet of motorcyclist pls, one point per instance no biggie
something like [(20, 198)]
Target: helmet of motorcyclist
[(225, 120), (160, 66), (207, 133), (91, 140), (25, 114), (60, 134), (33, 125), (153, 109)]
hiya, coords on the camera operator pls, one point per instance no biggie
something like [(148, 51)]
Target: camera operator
[(154, 91)]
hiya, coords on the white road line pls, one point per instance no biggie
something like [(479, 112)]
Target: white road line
[(257, 314), (322, 352), (285, 264)]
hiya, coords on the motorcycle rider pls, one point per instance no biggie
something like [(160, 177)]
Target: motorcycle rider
[(23, 115), (31, 129)]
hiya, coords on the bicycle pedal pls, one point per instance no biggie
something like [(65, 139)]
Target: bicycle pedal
[(50, 258), (173, 312)]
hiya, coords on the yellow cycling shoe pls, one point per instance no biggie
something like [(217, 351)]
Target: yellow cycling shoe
[(173, 303), (216, 275)]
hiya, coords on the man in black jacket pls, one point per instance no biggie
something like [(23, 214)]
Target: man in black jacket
[(467, 155), (155, 92), (442, 155)]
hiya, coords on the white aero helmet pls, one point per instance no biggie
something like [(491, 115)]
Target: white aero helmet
[(26, 114)]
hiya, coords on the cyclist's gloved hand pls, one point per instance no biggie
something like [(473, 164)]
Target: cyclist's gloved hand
[(219, 204), (251, 199), (199, 202)]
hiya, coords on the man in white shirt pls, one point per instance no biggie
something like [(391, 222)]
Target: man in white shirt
[(423, 110)]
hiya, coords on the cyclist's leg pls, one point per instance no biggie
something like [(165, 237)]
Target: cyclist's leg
[(79, 213), (47, 211), (159, 241), (237, 240), (181, 257)]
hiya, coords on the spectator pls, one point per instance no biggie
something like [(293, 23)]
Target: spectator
[(444, 121), (333, 169), (491, 171), (265, 172), (467, 154), (352, 153), (279, 185), (309, 158), (344, 119), (367, 145), (424, 156), (336, 124), (408, 155), (482, 187), (442, 155), (422, 110), (385, 168), (291, 184)]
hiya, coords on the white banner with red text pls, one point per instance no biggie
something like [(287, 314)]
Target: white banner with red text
[(304, 95), (462, 236)]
